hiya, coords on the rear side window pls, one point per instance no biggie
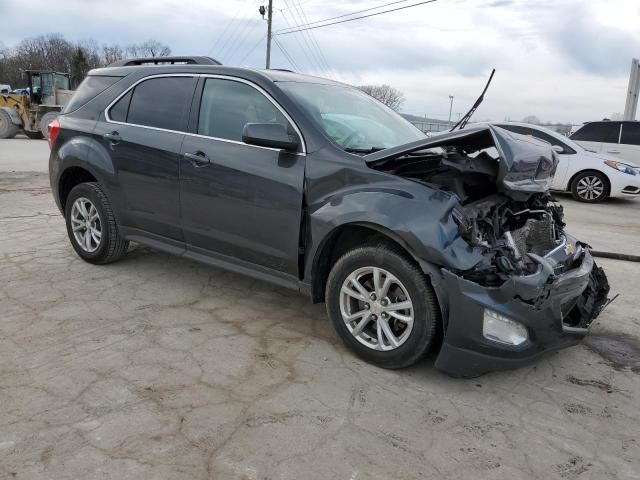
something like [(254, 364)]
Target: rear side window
[(160, 102), (538, 134), (630, 133), (606, 132), (227, 106), (90, 87)]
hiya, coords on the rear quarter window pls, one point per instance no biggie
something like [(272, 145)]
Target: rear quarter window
[(605, 132), (90, 87), (630, 133)]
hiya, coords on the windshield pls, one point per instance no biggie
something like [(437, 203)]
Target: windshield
[(351, 118)]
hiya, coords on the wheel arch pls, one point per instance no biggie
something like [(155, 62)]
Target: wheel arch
[(69, 178), (589, 170), (349, 235)]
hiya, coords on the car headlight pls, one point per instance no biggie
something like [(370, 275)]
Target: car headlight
[(621, 167), (499, 328)]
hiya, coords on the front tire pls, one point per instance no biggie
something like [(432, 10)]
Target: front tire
[(91, 225), (382, 306), (590, 187)]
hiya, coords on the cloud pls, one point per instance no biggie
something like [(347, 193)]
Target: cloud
[(564, 60), (499, 3)]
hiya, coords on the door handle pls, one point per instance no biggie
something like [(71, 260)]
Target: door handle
[(198, 159), (613, 151), (113, 137)]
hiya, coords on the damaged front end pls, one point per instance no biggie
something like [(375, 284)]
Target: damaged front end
[(532, 287)]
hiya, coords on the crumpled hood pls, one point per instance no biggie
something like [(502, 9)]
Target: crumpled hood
[(526, 164)]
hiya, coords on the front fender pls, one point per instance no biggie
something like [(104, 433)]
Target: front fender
[(415, 215)]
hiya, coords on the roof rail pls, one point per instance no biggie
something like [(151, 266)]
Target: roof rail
[(129, 62)]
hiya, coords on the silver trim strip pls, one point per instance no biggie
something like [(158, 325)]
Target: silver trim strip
[(197, 75)]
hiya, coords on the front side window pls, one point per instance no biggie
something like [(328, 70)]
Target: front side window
[(630, 133), (158, 102), (352, 119), (227, 106), (605, 132)]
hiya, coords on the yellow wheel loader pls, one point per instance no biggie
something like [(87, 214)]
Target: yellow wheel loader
[(31, 109)]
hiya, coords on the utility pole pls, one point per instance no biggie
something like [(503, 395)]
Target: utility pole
[(269, 17), (450, 106), (631, 105)]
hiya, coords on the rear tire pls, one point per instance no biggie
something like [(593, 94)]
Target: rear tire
[(91, 225), (46, 119), (370, 336), (8, 129), (590, 187)]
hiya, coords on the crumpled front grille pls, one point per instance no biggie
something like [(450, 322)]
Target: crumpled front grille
[(536, 236)]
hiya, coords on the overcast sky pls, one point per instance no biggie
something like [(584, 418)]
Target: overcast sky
[(560, 60)]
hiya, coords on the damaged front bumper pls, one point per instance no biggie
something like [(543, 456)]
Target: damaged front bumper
[(556, 310)]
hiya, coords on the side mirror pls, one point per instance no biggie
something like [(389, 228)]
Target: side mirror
[(558, 149), (271, 135)]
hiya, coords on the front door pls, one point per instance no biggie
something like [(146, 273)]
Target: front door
[(143, 136), (239, 200)]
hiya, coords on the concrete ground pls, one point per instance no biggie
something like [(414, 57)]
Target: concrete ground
[(160, 368)]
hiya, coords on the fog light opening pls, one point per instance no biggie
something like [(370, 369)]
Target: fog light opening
[(498, 328)]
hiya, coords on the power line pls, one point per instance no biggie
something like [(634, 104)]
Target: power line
[(287, 8), (357, 18), (250, 51), (228, 44), (305, 51), (235, 17), (286, 54), (348, 14), (242, 37), (305, 38), (315, 42)]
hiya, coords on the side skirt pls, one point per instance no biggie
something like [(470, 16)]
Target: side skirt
[(191, 252)]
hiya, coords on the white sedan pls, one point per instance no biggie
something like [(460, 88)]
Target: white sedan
[(587, 175)]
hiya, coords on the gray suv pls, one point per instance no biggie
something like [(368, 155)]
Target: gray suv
[(450, 244)]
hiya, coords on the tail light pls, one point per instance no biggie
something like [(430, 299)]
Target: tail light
[(53, 129)]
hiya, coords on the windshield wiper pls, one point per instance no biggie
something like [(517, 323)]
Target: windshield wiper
[(467, 116), (363, 150)]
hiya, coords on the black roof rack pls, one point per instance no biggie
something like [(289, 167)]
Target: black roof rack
[(129, 62)]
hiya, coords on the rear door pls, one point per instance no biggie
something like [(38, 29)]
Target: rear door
[(240, 201), (630, 142), (143, 133), (600, 137)]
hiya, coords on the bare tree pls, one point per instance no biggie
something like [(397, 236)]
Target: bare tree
[(391, 97), (150, 48), (532, 119), (53, 52), (112, 53)]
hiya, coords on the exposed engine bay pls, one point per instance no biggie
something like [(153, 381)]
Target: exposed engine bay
[(505, 210)]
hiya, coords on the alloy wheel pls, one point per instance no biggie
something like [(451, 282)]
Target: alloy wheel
[(376, 308), (86, 224), (590, 187)]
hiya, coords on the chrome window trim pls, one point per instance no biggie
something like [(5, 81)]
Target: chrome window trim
[(203, 75)]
